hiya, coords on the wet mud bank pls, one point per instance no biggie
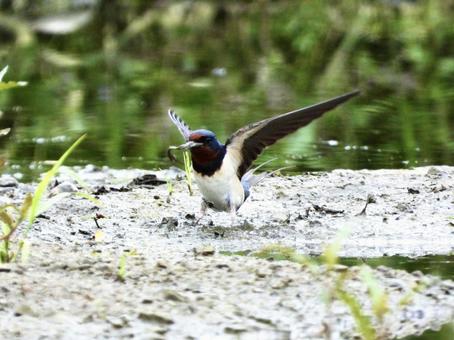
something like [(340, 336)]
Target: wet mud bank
[(409, 212), (177, 282), (64, 294)]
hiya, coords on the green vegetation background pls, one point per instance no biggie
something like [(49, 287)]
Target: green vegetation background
[(221, 64)]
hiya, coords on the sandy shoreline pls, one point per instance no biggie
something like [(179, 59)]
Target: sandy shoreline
[(70, 285)]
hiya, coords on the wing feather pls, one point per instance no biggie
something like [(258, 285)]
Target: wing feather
[(248, 142)]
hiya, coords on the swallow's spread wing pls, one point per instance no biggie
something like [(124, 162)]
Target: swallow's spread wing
[(247, 143), (181, 125)]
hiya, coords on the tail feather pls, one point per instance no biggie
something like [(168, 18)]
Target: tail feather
[(249, 179), (250, 174)]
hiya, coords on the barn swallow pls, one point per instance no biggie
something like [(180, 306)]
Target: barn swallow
[(222, 171)]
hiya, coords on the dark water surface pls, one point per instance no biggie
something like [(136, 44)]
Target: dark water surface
[(442, 266), (115, 71), (221, 66)]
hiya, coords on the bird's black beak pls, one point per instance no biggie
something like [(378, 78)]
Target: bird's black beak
[(189, 145)]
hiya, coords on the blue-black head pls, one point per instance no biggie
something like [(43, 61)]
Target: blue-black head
[(206, 151), (206, 138)]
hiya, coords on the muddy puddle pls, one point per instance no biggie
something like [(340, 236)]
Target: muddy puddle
[(178, 282)]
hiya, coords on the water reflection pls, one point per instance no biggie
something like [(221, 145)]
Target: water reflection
[(221, 66), (440, 265), (445, 333)]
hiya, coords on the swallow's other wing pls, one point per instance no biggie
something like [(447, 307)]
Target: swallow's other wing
[(247, 143), (181, 125)]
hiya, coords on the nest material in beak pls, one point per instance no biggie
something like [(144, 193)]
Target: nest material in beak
[(186, 146)]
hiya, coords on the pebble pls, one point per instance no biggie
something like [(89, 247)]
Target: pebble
[(204, 251), (162, 264), (434, 172), (66, 187), (8, 181), (152, 316)]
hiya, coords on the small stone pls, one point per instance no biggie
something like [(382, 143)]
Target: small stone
[(84, 232), (155, 317), (162, 264), (235, 329), (222, 266), (100, 191), (438, 188), (261, 273), (25, 310), (91, 168), (147, 180), (173, 295), (315, 224), (169, 222), (434, 172), (63, 187), (280, 283), (8, 181), (401, 207), (204, 251), (340, 268), (117, 322)]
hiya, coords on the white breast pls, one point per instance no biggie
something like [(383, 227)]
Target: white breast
[(223, 187)]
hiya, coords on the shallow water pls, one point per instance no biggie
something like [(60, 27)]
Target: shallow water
[(445, 333), (442, 266), (221, 72)]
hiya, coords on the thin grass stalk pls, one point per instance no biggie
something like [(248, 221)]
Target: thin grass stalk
[(188, 170)]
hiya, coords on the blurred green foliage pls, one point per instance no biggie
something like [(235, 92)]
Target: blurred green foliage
[(112, 68)]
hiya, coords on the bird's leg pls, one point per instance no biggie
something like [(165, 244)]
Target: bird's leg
[(233, 215), (203, 210)]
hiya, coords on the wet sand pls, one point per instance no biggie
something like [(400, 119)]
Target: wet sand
[(177, 282)]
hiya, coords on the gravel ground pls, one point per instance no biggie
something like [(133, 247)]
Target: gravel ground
[(69, 289)]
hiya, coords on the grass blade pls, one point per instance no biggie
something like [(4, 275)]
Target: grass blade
[(188, 170), (377, 294), (363, 322), (25, 249), (42, 186), (121, 273), (330, 255)]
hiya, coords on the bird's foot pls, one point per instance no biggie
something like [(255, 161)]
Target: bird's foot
[(203, 211)]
